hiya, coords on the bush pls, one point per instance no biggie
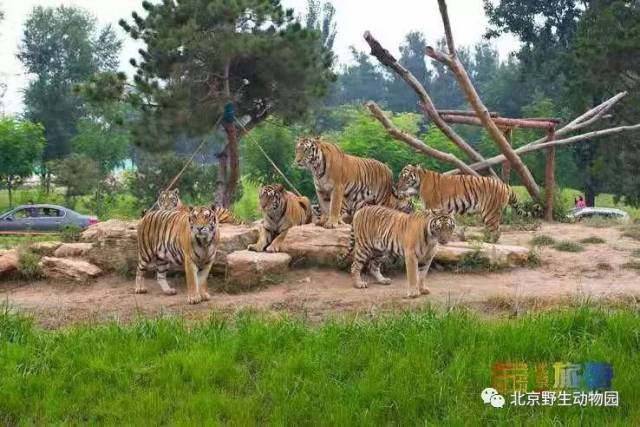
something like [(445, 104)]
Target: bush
[(29, 265), (593, 240), (70, 233), (568, 246), (247, 208), (542, 240)]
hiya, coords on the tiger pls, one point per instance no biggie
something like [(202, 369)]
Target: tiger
[(185, 237), (378, 232), (281, 210), (343, 183), (170, 200), (460, 194)]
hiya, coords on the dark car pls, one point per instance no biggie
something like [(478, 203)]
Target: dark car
[(43, 218)]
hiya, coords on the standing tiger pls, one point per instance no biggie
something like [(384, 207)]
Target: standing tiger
[(185, 237), (379, 231), (281, 210), (344, 183), (170, 200), (459, 194)]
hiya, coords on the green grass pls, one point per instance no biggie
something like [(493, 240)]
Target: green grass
[(402, 369), (632, 231), (10, 241), (246, 208), (568, 246), (542, 240), (593, 240)]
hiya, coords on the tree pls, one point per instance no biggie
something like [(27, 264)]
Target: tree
[(21, 145), (246, 58), (77, 173), (400, 97), (62, 47), (320, 17), (358, 82)]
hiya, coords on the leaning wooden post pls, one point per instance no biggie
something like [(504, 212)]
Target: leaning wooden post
[(506, 166), (550, 177)]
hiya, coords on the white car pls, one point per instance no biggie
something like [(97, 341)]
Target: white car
[(577, 214)]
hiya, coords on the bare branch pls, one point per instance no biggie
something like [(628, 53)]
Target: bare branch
[(529, 148), (414, 142), (385, 58), (500, 121), (447, 27)]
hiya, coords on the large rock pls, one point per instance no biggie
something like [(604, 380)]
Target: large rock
[(9, 261), (247, 269), (493, 255), (313, 245), (68, 269), (44, 248), (72, 250), (115, 244)]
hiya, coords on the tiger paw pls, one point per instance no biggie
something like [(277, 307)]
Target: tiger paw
[(273, 249), (140, 290), (413, 294), (360, 284), (252, 247), (384, 281), (330, 225), (170, 291), (205, 296), (425, 291), (194, 299)]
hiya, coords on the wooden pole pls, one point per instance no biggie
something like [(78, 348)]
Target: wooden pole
[(506, 166), (499, 121), (550, 177)]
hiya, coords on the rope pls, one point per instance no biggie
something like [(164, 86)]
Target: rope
[(246, 133)]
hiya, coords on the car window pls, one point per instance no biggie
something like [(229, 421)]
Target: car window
[(24, 213), (51, 212)]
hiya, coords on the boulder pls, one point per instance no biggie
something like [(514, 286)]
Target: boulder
[(114, 244), (68, 269), (248, 269), (9, 261), (496, 256), (313, 245), (44, 248), (72, 250)]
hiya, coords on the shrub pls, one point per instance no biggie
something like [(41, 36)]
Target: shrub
[(246, 208), (542, 240), (568, 246), (593, 240), (70, 233), (29, 265)]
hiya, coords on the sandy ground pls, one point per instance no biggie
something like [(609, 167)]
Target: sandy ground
[(563, 278)]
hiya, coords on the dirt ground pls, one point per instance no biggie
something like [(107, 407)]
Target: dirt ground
[(598, 273)]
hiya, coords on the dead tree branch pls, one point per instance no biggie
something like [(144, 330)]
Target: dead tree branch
[(529, 148), (429, 109), (474, 100), (414, 142)]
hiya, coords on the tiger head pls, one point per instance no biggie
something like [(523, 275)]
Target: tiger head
[(272, 198), (409, 181), (307, 152), (169, 199), (203, 223), (441, 226)]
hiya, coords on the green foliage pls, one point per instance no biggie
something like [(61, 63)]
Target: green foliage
[(593, 240), (70, 233), (156, 171), (21, 145), (62, 47), (400, 368), (568, 246), (279, 142), (542, 240), (246, 208), (29, 265), (78, 173)]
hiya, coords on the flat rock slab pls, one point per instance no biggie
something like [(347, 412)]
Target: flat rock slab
[(9, 261), (72, 250), (500, 256), (248, 269), (313, 245), (44, 248), (68, 269)]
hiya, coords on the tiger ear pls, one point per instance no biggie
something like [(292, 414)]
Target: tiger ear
[(279, 188), (176, 191), (190, 209)]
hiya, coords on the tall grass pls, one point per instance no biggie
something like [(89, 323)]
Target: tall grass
[(401, 369), (246, 208)]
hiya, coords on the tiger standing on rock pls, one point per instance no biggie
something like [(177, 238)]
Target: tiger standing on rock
[(184, 237), (379, 232), (281, 210), (343, 183), (459, 194)]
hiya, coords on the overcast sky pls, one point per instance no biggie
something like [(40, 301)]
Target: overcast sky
[(389, 21)]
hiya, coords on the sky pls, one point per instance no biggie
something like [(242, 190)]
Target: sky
[(388, 21)]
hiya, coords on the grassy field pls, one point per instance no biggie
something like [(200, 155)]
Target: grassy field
[(402, 369)]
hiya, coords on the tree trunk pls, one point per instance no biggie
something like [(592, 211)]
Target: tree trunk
[(589, 192), (549, 178), (221, 182), (506, 166), (9, 190), (234, 164)]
